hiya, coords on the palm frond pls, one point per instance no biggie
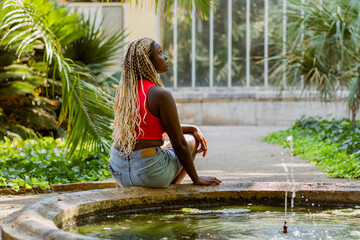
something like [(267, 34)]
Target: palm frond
[(92, 117), (84, 106), (16, 88), (17, 72), (96, 48), (23, 17), (96, 52)]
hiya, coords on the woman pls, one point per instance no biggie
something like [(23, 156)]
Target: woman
[(144, 111)]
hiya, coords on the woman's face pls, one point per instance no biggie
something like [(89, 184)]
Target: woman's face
[(158, 59)]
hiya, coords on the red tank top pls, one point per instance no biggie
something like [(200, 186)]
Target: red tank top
[(151, 126)]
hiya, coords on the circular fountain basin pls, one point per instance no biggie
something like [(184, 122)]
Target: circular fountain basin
[(45, 219)]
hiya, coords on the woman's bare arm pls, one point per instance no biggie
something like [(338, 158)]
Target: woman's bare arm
[(162, 105)]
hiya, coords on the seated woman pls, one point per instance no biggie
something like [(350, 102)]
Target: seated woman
[(144, 111)]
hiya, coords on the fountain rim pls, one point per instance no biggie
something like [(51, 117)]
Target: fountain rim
[(43, 220)]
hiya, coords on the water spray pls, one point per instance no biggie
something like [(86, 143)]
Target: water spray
[(291, 143)]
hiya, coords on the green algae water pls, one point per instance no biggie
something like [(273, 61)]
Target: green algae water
[(235, 222)]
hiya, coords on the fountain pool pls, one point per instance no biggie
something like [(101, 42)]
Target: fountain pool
[(48, 218), (235, 222)]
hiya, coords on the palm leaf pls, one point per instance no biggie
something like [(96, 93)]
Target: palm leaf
[(15, 72), (31, 25), (93, 116), (84, 106), (96, 48), (16, 88)]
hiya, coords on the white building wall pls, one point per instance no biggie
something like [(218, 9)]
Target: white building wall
[(252, 108)]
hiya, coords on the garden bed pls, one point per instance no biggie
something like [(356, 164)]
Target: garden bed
[(333, 145), (42, 165)]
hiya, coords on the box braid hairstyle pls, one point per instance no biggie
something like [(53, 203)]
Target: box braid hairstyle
[(137, 65)]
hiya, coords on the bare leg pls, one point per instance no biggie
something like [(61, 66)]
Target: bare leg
[(193, 145)]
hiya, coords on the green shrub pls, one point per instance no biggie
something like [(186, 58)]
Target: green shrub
[(333, 145), (44, 161)]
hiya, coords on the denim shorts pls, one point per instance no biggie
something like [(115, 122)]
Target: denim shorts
[(151, 167)]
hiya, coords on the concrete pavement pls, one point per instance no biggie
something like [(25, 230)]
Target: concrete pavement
[(237, 153)]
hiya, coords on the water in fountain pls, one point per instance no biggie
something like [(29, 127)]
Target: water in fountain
[(234, 222)]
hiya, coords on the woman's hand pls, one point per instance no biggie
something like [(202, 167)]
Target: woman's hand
[(207, 181), (202, 142), (199, 136)]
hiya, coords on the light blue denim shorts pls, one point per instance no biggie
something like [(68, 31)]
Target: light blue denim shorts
[(151, 167)]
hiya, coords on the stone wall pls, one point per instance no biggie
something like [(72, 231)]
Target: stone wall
[(258, 107)]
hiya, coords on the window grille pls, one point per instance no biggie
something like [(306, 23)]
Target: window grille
[(223, 51)]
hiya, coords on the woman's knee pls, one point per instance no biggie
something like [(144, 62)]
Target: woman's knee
[(192, 142)]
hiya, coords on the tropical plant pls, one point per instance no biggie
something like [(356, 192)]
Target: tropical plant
[(27, 106), (323, 50), (78, 38), (86, 108)]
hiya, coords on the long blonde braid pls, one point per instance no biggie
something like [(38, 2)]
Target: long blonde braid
[(137, 65)]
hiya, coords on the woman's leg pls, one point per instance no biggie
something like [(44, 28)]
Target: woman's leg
[(193, 145)]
